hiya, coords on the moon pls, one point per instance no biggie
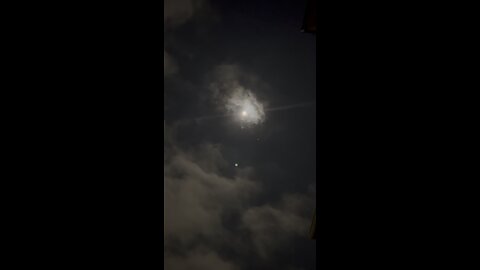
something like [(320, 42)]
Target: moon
[(246, 106)]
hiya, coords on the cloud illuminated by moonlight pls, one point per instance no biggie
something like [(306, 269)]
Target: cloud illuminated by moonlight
[(245, 107), (230, 90)]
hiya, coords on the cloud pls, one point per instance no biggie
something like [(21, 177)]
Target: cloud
[(178, 12), (169, 65), (212, 220), (198, 198), (231, 91), (198, 260), (272, 227), (224, 79), (245, 105)]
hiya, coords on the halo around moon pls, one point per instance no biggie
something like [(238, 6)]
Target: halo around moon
[(244, 103)]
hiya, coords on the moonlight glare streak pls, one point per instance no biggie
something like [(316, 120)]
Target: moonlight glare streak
[(244, 113), (288, 107)]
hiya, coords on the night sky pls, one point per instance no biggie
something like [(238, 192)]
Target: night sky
[(238, 195), (82, 143)]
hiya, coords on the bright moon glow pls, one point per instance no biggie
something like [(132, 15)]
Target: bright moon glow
[(236, 164), (243, 102)]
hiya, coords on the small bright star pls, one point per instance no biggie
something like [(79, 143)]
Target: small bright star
[(236, 164)]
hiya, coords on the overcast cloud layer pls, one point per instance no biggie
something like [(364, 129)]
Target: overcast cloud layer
[(219, 216)]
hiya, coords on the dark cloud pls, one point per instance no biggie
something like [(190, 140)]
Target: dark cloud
[(198, 260), (169, 65), (197, 197), (273, 227), (178, 12), (201, 195)]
